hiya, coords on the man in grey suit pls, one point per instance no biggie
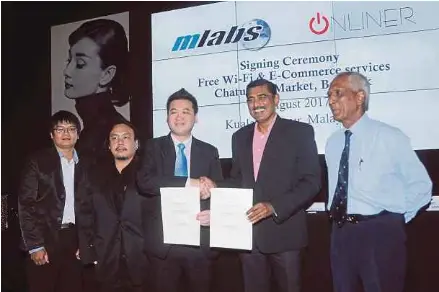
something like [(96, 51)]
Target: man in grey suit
[(178, 160), (278, 159)]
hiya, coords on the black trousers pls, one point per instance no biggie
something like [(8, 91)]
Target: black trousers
[(371, 253), (122, 281), (184, 266), (260, 270), (63, 272)]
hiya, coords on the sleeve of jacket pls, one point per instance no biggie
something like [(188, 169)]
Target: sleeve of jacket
[(309, 181), (150, 177), (86, 220), (30, 220), (215, 174)]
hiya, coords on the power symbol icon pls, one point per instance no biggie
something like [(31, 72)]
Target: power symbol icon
[(318, 20)]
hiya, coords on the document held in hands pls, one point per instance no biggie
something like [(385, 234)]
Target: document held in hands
[(180, 207), (229, 226)]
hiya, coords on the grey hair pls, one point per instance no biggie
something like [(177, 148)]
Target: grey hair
[(358, 82)]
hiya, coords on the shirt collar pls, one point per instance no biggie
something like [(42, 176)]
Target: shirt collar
[(187, 143), (75, 156), (269, 127), (359, 126)]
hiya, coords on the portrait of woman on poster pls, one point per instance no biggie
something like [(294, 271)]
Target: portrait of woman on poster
[(95, 77)]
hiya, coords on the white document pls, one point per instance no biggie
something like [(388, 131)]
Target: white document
[(229, 226), (180, 207)]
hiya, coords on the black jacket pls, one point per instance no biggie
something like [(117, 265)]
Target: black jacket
[(114, 227), (289, 178), (157, 171), (41, 200)]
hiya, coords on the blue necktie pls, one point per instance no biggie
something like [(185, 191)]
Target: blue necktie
[(181, 162), (338, 209)]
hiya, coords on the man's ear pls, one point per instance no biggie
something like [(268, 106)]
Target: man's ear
[(361, 96), (136, 145), (107, 75), (276, 99)]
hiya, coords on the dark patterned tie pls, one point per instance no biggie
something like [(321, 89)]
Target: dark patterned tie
[(338, 209)]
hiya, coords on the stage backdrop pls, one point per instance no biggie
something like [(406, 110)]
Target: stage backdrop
[(59, 60), (215, 50)]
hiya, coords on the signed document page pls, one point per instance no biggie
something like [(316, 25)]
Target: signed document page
[(180, 207), (229, 226)]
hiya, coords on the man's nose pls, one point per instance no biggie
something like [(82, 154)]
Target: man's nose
[(331, 99)]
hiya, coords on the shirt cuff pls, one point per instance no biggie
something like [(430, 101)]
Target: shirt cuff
[(36, 249)]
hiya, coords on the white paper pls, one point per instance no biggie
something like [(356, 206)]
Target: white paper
[(180, 207), (229, 226)]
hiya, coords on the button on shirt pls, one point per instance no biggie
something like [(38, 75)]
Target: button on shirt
[(68, 173), (384, 171)]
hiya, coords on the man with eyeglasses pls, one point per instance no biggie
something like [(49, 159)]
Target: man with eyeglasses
[(48, 209), (376, 184)]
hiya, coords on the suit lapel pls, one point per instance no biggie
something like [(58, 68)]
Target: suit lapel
[(54, 162), (248, 151), (196, 160), (270, 147), (77, 176), (168, 155)]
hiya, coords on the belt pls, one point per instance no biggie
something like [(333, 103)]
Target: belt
[(67, 225), (357, 218)]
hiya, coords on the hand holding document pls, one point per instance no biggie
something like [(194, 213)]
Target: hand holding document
[(180, 207), (229, 226)]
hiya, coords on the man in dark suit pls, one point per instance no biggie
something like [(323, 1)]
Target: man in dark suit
[(278, 159), (114, 224), (178, 160), (48, 208)]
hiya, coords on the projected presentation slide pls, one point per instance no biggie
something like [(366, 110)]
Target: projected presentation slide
[(215, 50)]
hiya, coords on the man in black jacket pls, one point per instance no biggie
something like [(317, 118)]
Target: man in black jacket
[(277, 158), (162, 167), (114, 226), (48, 208)]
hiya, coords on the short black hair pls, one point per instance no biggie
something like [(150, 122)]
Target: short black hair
[(123, 121), (64, 117), (182, 94), (259, 82)]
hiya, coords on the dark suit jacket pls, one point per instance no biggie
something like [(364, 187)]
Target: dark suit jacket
[(41, 200), (288, 178), (157, 171), (114, 230)]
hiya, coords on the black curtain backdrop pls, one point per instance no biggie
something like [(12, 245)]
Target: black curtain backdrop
[(26, 110)]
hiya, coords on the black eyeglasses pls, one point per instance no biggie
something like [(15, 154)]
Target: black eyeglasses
[(61, 130)]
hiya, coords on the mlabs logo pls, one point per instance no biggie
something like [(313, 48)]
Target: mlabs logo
[(253, 35)]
